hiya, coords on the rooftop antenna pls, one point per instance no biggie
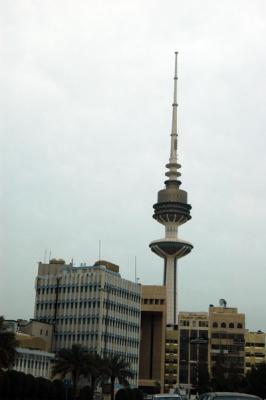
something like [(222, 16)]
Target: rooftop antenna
[(173, 164), (45, 255), (135, 269), (50, 255), (100, 245)]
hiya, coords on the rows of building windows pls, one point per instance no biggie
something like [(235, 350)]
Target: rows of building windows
[(230, 325), (171, 361), (229, 348), (169, 341), (90, 287), (249, 344), (107, 321), (256, 354), (70, 304), (259, 362), (153, 301), (71, 322), (24, 363), (112, 338), (234, 336), (194, 323)]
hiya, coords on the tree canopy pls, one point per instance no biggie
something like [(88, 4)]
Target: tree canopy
[(8, 345)]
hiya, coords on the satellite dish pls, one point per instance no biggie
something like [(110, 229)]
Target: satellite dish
[(222, 303)]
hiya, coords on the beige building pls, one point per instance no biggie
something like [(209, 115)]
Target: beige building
[(152, 344), (90, 305), (193, 334), (227, 338), (171, 359), (37, 329), (254, 349), (34, 354)]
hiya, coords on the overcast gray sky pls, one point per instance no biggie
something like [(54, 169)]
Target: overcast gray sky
[(86, 93)]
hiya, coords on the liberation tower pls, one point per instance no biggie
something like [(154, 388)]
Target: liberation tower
[(172, 210)]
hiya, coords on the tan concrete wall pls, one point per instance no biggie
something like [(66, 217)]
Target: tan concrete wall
[(152, 344), (41, 330)]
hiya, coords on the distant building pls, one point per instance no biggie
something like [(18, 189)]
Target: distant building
[(90, 305), (227, 338), (34, 354), (152, 345), (193, 346), (255, 353), (35, 362)]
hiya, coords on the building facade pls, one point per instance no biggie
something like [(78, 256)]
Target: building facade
[(152, 352), (92, 306), (35, 362), (227, 338), (193, 348), (171, 359), (34, 354), (254, 349)]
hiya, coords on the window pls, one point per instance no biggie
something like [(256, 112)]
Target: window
[(41, 332), (215, 325), (240, 326), (231, 325), (203, 324), (223, 325)]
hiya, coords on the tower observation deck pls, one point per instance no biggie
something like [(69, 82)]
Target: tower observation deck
[(172, 210)]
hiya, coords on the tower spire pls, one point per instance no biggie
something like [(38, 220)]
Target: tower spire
[(173, 165)]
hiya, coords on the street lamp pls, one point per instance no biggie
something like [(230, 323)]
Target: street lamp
[(197, 341)]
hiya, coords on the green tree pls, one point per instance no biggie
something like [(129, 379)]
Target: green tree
[(94, 370), (203, 378), (86, 393), (225, 376), (256, 380), (115, 368), (8, 346), (71, 362)]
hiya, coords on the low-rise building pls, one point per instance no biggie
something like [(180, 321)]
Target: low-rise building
[(34, 354), (35, 362), (254, 349)]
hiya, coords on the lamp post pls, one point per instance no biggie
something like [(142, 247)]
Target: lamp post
[(198, 341)]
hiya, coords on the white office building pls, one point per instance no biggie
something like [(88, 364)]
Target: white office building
[(90, 305)]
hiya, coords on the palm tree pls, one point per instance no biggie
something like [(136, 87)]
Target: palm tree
[(116, 367), (94, 370), (73, 362), (8, 345)]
